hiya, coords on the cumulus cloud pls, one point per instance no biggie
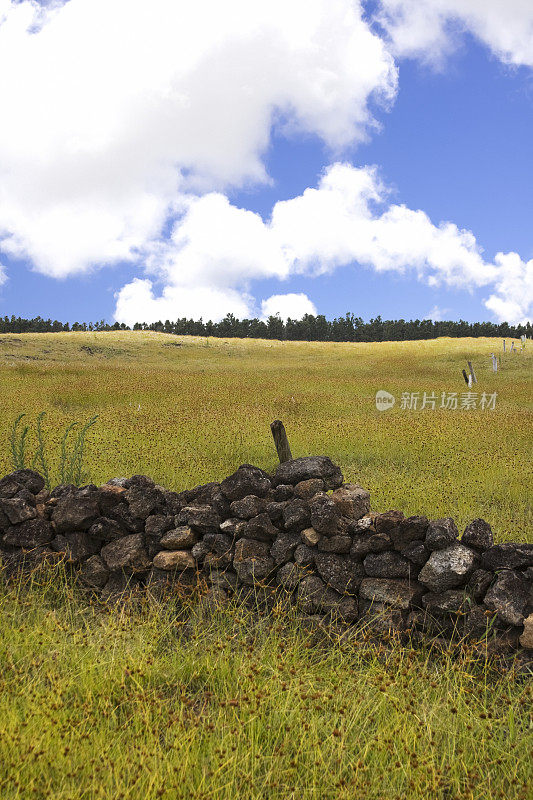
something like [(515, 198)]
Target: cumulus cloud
[(346, 219), (288, 305), (437, 313), (3, 274), (430, 28), (113, 109)]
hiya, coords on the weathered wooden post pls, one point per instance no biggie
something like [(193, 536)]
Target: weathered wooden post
[(281, 441), (465, 376), (504, 345), (473, 374)]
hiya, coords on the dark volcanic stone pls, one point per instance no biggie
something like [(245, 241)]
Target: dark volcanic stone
[(77, 546), (210, 494), (314, 595), (281, 492), (126, 553), (157, 524), (302, 469), (398, 593), (252, 561), (307, 489), (416, 553), (325, 515), (388, 521), (304, 555), (352, 501), (233, 527), (387, 565), (143, 500), (409, 530), (24, 479), (284, 546), (297, 515), (448, 568), (202, 519), (260, 528), (106, 529), (179, 538), (220, 553), (17, 510), (275, 511), (94, 572), (248, 507), (335, 544), (441, 534), (451, 601), (126, 521), (246, 480), (478, 533), (340, 572), (374, 543), (478, 583), (29, 534), (289, 576), (508, 596), (507, 556), (75, 511)]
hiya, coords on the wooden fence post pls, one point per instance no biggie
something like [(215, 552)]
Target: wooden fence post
[(281, 441), (465, 376), (473, 374)]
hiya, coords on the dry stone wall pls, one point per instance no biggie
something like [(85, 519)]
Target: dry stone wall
[(301, 531)]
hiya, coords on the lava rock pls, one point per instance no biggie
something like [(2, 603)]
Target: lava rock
[(415, 552), (352, 500), (412, 529), (233, 527), (284, 546), (106, 529), (18, 510), (126, 553), (375, 543), (304, 555), (388, 522), (507, 556), (94, 572), (387, 565), (526, 639), (23, 479), (202, 519), (157, 524), (305, 490), (478, 533), (260, 528), (297, 515), (289, 576), (397, 593), (77, 546), (248, 507), (252, 561), (302, 469), (478, 583), (340, 572), (281, 492), (310, 537), (335, 544), (441, 533), (246, 480), (451, 601), (180, 538), (448, 568), (508, 596), (220, 552), (325, 515), (29, 534), (143, 500), (75, 511)]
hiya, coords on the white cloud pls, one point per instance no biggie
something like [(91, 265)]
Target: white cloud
[(345, 220), (136, 303), (112, 109), (436, 313), (290, 305), (3, 274), (431, 28)]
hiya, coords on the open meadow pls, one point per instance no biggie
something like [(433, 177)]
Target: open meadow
[(161, 701)]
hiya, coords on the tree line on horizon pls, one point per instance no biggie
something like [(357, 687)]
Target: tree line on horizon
[(310, 328)]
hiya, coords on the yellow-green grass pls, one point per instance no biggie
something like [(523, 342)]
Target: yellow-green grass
[(192, 413), (149, 702)]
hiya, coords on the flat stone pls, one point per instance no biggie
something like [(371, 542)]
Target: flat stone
[(451, 601), (441, 533), (29, 534), (352, 500), (448, 568), (397, 593), (478, 533), (374, 543), (302, 469), (202, 519), (174, 559), (75, 511), (508, 596)]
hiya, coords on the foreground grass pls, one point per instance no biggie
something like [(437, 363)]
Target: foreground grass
[(147, 702), (186, 410)]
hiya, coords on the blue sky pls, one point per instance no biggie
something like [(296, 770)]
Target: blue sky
[(454, 142)]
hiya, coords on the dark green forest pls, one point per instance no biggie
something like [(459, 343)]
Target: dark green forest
[(310, 328)]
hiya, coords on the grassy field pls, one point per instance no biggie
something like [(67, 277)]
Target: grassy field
[(157, 701)]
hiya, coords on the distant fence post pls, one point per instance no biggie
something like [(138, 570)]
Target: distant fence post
[(473, 374), (504, 345), (281, 441), (465, 376)]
